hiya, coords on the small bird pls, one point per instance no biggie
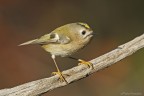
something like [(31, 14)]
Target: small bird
[(64, 41)]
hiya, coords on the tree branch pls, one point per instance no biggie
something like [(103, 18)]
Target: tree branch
[(74, 74)]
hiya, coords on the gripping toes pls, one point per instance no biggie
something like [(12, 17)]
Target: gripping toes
[(61, 77), (89, 64)]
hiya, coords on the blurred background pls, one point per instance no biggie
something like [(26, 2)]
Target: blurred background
[(114, 21)]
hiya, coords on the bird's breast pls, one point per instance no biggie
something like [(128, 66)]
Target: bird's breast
[(63, 49)]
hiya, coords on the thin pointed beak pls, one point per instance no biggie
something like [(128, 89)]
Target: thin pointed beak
[(93, 33)]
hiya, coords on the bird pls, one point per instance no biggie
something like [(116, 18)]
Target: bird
[(65, 41)]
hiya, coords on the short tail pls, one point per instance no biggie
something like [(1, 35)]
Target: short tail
[(29, 42)]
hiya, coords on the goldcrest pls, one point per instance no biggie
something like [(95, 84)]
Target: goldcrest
[(64, 41)]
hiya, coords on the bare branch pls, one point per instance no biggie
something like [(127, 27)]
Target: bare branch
[(74, 74)]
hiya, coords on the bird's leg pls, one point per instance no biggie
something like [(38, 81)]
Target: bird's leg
[(61, 77), (89, 64)]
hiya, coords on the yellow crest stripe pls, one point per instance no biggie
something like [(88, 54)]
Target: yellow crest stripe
[(85, 25)]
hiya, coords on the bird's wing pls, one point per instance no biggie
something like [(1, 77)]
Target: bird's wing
[(49, 38), (63, 39)]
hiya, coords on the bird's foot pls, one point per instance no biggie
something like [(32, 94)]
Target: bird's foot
[(61, 77), (89, 64)]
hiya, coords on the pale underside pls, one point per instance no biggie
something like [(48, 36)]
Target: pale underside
[(63, 50)]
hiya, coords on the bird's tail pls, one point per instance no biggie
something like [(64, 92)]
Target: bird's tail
[(29, 42)]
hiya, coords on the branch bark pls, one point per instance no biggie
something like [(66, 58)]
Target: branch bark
[(76, 73)]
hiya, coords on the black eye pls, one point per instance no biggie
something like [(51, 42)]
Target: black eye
[(52, 36), (83, 32)]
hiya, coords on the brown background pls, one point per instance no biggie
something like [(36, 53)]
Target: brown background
[(114, 21)]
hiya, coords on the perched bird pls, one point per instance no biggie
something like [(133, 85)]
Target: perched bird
[(64, 41)]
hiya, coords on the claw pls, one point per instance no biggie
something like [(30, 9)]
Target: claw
[(61, 77), (89, 64)]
